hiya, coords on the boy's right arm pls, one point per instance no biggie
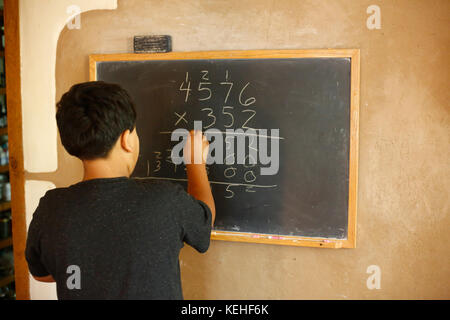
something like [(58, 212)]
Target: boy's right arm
[(198, 184)]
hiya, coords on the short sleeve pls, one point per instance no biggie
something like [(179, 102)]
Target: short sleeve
[(195, 220), (33, 250)]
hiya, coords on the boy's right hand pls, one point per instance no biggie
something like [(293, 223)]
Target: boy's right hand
[(195, 153), (196, 148)]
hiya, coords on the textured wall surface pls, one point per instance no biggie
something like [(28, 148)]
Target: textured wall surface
[(41, 22), (404, 172)]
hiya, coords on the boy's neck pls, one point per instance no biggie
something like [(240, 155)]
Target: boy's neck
[(96, 169)]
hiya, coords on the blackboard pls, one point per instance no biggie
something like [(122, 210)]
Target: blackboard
[(311, 97)]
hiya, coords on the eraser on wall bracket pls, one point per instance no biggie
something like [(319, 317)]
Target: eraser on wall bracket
[(154, 43)]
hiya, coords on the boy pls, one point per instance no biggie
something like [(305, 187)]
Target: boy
[(111, 236)]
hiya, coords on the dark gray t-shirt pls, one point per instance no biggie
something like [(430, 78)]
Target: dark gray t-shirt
[(124, 236)]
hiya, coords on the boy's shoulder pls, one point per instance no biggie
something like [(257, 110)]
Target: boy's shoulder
[(139, 187), (145, 183), (170, 192), (51, 194), (162, 185)]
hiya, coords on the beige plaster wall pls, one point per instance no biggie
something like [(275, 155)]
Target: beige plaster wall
[(41, 23), (404, 172)]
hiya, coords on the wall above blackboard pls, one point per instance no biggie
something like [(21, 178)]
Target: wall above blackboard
[(310, 96)]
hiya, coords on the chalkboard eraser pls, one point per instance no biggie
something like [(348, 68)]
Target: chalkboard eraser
[(152, 44)]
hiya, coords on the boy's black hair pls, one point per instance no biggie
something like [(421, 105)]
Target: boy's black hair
[(91, 116)]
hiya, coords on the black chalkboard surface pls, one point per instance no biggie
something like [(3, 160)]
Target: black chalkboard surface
[(309, 99)]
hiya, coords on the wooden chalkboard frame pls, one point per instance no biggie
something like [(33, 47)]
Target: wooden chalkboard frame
[(353, 54)]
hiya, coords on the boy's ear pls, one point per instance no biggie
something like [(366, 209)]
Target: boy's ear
[(125, 141)]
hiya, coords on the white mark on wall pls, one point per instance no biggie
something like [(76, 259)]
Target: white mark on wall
[(374, 280), (374, 20), (75, 18)]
